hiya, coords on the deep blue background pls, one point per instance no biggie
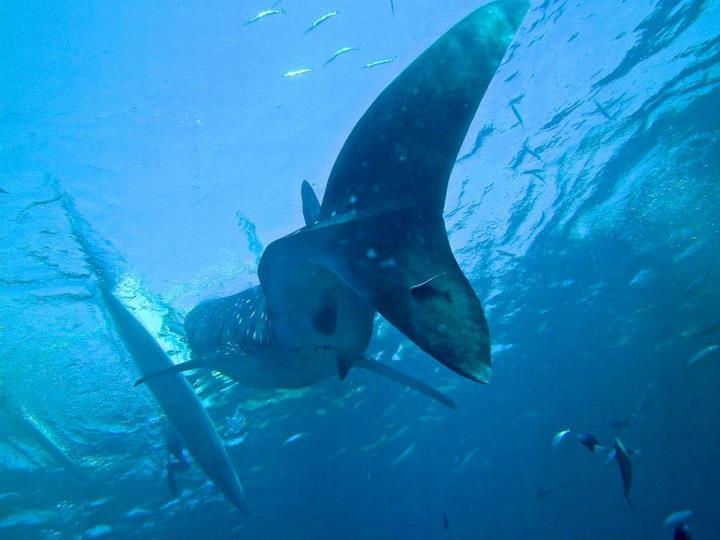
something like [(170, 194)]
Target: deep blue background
[(586, 220)]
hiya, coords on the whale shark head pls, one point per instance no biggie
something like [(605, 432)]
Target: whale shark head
[(379, 233)]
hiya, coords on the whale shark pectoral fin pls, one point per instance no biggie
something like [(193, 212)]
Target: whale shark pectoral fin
[(310, 203), (372, 365), (177, 368)]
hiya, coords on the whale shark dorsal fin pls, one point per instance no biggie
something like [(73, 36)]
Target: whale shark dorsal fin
[(310, 203), (381, 228)]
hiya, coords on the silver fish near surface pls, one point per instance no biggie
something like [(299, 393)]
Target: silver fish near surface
[(339, 52), (376, 63), (265, 13), (297, 72), (320, 20)]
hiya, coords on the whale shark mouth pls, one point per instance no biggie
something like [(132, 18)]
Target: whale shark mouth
[(380, 230)]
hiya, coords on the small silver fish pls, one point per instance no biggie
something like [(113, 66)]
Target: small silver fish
[(339, 52), (320, 20), (297, 72), (404, 455), (559, 437), (265, 13), (701, 355), (676, 518), (378, 62), (293, 438)]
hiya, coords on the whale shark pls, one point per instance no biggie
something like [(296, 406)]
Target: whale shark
[(174, 394), (376, 244)]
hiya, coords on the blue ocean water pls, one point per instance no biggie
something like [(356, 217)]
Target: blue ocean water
[(583, 208)]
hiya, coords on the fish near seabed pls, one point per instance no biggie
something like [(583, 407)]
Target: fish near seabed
[(377, 243), (589, 441), (623, 460)]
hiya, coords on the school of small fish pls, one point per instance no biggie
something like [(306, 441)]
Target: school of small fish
[(264, 14)]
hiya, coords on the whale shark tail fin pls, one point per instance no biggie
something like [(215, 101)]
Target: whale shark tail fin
[(372, 365), (380, 228)]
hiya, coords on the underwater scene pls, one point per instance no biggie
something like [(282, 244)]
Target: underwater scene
[(378, 269)]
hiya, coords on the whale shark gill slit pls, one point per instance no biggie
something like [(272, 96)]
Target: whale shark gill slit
[(325, 316), (380, 230)]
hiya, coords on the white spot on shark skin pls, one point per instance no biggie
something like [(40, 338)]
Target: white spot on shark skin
[(371, 254), (353, 199)]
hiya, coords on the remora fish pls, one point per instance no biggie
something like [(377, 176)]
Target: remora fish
[(378, 233), (174, 394), (623, 460)]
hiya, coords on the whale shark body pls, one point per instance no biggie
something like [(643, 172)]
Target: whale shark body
[(377, 243)]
